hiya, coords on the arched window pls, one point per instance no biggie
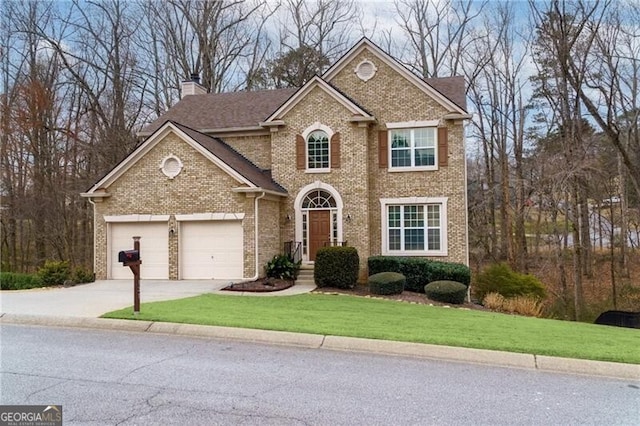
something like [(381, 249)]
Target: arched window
[(318, 150), (318, 199)]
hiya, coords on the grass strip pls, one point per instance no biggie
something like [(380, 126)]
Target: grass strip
[(344, 315)]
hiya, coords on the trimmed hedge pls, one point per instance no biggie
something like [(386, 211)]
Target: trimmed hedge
[(446, 291), (17, 281), (420, 271), (336, 267), (500, 278), (387, 283)]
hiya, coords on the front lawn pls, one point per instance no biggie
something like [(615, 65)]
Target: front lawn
[(340, 315)]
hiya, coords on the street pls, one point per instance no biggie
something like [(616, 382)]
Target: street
[(120, 378)]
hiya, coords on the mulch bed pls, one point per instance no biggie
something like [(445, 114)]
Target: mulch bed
[(261, 285)]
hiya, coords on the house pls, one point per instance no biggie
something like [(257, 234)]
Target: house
[(368, 155)]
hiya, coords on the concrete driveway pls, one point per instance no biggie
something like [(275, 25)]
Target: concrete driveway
[(95, 299)]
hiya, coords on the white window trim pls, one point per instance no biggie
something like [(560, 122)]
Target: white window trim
[(444, 246), (411, 125), (305, 134)]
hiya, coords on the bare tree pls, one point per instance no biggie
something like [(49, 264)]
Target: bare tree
[(439, 33)]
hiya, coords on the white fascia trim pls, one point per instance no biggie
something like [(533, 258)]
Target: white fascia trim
[(95, 194), (391, 62), (444, 224), (208, 216), (304, 90), (137, 218), (259, 190), (413, 124)]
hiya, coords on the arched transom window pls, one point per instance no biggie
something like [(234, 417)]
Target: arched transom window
[(319, 199), (318, 150)]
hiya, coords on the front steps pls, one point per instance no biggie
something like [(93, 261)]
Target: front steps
[(305, 276)]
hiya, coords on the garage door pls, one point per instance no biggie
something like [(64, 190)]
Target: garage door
[(154, 249), (211, 250)]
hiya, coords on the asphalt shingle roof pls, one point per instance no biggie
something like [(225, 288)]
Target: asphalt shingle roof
[(223, 110)]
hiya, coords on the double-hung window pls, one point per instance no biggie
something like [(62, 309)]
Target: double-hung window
[(318, 150), (414, 226), (413, 148)]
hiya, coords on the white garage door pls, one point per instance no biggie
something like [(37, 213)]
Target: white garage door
[(211, 250), (154, 249)]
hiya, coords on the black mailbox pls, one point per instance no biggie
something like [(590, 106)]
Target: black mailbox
[(127, 256)]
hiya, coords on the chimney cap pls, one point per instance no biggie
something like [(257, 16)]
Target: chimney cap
[(195, 77)]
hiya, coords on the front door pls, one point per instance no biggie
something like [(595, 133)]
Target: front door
[(319, 230)]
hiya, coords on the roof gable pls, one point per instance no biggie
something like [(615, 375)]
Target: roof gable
[(221, 154), (318, 82), (448, 92)]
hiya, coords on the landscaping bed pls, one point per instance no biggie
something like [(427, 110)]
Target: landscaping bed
[(261, 285)]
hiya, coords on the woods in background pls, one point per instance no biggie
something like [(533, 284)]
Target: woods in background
[(553, 148)]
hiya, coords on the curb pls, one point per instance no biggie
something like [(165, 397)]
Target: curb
[(340, 343)]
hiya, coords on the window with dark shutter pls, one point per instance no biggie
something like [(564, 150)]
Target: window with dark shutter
[(443, 147), (383, 155), (335, 151), (301, 153)]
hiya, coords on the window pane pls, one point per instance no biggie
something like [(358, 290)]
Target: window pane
[(400, 138), (401, 158), (425, 157), (318, 150), (394, 239), (394, 216), (413, 216), (424, 138), (433, 216), (434, 239), (414, 239)]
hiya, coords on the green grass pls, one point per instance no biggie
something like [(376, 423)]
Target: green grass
[(391, 320)]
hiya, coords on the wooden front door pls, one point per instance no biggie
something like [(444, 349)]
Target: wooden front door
[(319, 230)]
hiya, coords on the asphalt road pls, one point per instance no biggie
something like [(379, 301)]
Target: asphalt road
[(120, 378)]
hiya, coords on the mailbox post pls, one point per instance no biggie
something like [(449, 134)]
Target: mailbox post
[(131, 258)]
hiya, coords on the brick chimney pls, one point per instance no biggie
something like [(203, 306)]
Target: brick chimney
[(192, 86)]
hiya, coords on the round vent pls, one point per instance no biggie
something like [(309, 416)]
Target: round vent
[(365, 70), (171, 166)]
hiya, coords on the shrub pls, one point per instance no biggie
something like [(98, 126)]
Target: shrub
[(500, 278), (54, 272), (387, 283), (81, 275), (446, 291), (336, 267), (420, 271), (17, 281), (282, 267)]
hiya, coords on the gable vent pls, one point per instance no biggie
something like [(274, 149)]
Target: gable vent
[(365, 70)]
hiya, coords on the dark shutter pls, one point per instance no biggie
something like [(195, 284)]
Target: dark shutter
[(335, 151), (383, 154), (301, 153), (443, 148)]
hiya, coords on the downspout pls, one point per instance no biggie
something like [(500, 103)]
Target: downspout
[(94, 236), (255, 235)]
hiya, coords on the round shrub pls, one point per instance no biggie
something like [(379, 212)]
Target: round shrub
[(387, 283), (500, 278), (446, 291), (54, 272)]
